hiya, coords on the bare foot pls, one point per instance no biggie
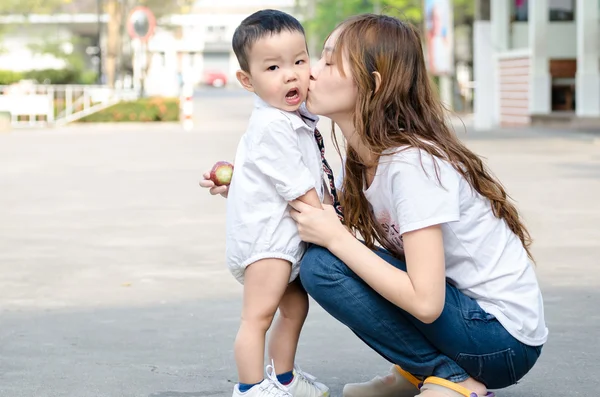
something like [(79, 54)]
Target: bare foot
[(474, 386)]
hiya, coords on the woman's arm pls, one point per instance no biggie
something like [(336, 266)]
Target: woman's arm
[(420, 291)]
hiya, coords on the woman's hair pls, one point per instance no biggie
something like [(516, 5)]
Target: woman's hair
[(403, 111)]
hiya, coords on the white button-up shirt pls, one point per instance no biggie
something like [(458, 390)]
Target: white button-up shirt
[(277, 161)]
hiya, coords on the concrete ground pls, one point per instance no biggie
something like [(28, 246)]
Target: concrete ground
[(111, 260)]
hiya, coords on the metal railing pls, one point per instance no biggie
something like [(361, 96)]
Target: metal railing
[(42, 105)]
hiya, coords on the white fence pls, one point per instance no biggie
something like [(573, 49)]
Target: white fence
[(39, 105)]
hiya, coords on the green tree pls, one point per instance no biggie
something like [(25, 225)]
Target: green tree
[(324, 15), (8, 7), (60, 50)]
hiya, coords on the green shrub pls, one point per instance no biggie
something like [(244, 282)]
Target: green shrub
[(145, 109), (8, 77), (53, 76), (50, 76), (88, 77)]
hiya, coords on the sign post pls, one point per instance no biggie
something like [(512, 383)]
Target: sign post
[(141, 25)]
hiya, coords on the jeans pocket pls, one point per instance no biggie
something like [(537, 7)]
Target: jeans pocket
[(495, 370)]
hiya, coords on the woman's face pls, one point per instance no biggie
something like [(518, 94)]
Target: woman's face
[(332, 94)]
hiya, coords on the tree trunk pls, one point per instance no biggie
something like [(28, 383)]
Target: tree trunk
[(113, 10)]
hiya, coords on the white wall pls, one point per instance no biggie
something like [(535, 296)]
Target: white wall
[(562, 37), (162, 77), (484, 73)]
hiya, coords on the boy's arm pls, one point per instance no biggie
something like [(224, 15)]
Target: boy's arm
[(275, 152), (311, 198)]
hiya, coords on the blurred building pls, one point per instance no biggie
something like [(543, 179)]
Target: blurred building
[(537, 62), (196, 48)]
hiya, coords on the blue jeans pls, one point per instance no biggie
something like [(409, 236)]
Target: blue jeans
[(463, 342)]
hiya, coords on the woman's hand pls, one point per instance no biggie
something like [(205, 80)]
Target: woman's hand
[(317, 226), (214, 190)]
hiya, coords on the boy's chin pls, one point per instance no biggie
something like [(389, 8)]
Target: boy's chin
[(291, 108)]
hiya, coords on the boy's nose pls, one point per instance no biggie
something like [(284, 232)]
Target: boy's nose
[(291, 77)]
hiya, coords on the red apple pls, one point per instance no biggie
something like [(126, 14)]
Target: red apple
[(221, 173)]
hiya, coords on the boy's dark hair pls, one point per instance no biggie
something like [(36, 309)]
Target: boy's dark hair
[(257, 26)]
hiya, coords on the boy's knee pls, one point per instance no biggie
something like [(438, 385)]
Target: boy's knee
[(296, 313), (258, 321)]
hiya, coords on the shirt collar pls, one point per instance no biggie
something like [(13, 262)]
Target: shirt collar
[(305, 118)]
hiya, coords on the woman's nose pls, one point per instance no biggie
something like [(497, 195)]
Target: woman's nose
[(315, 70)]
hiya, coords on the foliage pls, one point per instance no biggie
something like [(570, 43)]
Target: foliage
[(159, 7), (145, 109), (162, 7), (328, 13), (8, 77), (72, 56), (49, 76), (30, 6)]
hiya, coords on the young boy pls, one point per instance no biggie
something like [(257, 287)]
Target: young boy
[(277, 160)]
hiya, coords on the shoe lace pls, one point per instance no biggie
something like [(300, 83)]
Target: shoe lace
[(274, 387)]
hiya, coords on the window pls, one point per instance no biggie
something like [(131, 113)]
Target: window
[(562, 10), (216, 33), (558, 10), (520, 10)]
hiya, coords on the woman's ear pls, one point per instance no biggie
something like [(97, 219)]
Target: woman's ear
[(244, 79), (377, 81)]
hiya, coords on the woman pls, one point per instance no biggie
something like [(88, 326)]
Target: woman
[(453, 302)]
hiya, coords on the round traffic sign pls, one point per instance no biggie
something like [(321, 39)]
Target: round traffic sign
[(141, 23)]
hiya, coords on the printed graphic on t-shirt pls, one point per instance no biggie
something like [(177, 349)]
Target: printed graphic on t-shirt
[(389, 227)]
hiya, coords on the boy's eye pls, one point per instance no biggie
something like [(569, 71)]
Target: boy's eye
[(274, 67), (300, 62)]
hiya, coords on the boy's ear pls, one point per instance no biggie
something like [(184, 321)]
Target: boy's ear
[(244, 79)]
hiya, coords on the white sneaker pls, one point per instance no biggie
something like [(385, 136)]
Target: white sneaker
[(395, 384), (270, 387), (306, 385)]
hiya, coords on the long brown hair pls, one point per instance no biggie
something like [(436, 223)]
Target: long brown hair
[(402, 112)]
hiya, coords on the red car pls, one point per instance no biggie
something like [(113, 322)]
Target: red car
[(215, 79)]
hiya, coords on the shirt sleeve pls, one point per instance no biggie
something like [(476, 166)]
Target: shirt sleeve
[(419, 198), (276, 153)]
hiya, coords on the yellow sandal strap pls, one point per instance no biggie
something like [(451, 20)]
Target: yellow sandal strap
[(409, 377), (434, 381)]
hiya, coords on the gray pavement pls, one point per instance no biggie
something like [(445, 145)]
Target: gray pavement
[(111, 260)]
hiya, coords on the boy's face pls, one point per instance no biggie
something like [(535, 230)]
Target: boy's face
[(279, 70)]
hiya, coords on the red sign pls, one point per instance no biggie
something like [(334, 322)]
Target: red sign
[(141, 23)]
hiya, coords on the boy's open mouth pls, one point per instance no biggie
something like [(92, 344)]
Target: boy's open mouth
[(292, 97)]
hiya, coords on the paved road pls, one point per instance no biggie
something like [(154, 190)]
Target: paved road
[(111, 260)]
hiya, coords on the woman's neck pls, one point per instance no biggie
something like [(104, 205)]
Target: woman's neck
[(354, 141)]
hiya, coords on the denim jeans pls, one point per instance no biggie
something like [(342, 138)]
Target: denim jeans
[(463, 342)]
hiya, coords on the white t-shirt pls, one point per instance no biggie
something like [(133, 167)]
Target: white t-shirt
[(484, 259), (277, 161)]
